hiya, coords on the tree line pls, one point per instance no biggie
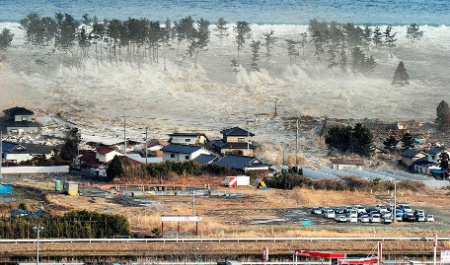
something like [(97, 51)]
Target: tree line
[(75, 224), (346, 46)]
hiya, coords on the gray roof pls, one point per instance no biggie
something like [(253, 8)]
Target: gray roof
[(13, 124), (238, 162), (18, 111), (236, 131), (186, 134), (436, 150), (410, 153), (34, 149), (205, 159), (180, 148)]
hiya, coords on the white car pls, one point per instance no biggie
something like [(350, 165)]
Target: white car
[(375, 218), (364, 218), (405, 208), (429, 218), (325, 210), (330, 214), (341, 218), (353, 218), (381, 208), (316, 210), (359, 208), (421, 218), (386, 219)]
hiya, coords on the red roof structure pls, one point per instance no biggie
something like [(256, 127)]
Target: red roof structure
[(103, 150), (320, 254)]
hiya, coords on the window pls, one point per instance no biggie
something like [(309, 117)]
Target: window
[(433, 157), (187, 140), (241, 139), (24, 118), (172, 155), (186, 157)]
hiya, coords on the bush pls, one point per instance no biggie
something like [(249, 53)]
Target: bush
[(411, 185)]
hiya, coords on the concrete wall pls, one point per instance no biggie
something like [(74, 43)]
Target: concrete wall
[(167, 156), (35, 170)]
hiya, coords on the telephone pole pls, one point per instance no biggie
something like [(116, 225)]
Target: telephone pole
[(124, 135), (38, 229), (146, 147), (296, 141)]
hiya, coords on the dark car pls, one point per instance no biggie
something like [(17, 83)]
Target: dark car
[(339, 210), (408, 217)]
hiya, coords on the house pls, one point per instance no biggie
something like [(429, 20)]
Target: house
[(18, 120), (411, 155), (21, 152), (344, 163), (206, 159), (244, 164), (141, 159), (235, 141), (181, 152), (424, 166), (91, 166), (434, 154), (188, 138), (105, 154)]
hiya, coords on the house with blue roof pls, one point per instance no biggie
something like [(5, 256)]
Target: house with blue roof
[(431, 162), (243, 163), (236, 141), (206, 159), (181, 152), (434, 154), (409, 156)]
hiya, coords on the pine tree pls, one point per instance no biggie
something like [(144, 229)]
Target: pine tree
[(292, 50), (199, 38), (407, 141), (255, 45), (443, 116), (357, 60), (389, 39), (303, 41), (401, 77), (114, 168), (343, 59), (6, 38), (414, 33), (390, 143), (243, 32), (367, 38), (269, 41), (222, 29), (377, 37)]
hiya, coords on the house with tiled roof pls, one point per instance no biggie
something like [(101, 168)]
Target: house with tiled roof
[(236, 141), (20, 152), (18, 120), (206, 159), (104, 154), (181, 152), (243, 163), (431, 162), (411, 155)]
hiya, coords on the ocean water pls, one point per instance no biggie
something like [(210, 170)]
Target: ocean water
[(398, 12)]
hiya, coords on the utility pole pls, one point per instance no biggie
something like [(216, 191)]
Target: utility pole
[(146, 147), (248, 139), (296, 141), (124, 135), (1, 152), (193, 202), (395, 201), (38, 229)]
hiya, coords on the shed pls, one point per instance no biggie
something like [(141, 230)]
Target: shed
[(70, 188)]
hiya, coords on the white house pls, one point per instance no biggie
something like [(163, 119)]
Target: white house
[(342, 164), (187, 138), (18, 120), (105, 154), (22, 152), (180, 152), (434, 154)]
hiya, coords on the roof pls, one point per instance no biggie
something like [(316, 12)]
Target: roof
[(238, 162), (436, 150), (205, 159), (345, 161), (103, 150), (186, 134), (11, 123), (8, 146), (236, 131), (180, 148), (17, 111), (34, 149), (410, 153), (140, 159)]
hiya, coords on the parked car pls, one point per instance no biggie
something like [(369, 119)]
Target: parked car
[(330, 214), (341, 218), (405, 208), (359, 208), (364, 218), (390, 208), (316, 210), (375, 218), (348, 208), (429, 218), (408, 217), (352, 218), (339, 210), (386, 219), (381, 208), (419, 212), (420, 218), (325, 210), (399, 215)]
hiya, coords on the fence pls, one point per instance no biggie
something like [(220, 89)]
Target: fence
[(35, 170)]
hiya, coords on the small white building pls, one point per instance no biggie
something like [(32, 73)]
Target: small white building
[(188, 138), (105, 154), (181, 153), (434, 154), (343, 163)]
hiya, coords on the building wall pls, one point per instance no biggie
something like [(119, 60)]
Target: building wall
[(425, 170), (167, 156), (409, 161), (244, 152), (237, 139), (18, 158), (185, 140), (107, 157), (435, 158), (22, 129), (343, 167), (23, 118)]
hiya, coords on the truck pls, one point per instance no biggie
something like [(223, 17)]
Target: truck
[(237, 181)]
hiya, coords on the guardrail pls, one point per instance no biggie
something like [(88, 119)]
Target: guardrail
[(217, 240)]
